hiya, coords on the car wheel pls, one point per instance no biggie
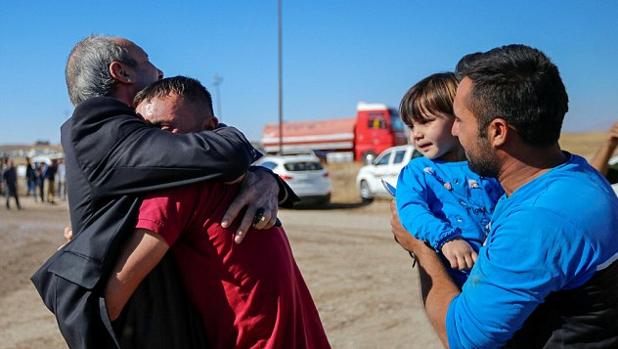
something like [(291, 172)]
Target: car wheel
[(325, 201), (365, 192)]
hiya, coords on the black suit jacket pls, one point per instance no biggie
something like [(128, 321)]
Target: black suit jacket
[(112, 157)]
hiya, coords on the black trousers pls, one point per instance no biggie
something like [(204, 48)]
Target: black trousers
[(12, 193)]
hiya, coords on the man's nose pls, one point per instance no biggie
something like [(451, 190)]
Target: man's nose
[(160, 74)]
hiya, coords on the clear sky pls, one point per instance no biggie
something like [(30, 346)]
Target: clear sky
[(335, 53)]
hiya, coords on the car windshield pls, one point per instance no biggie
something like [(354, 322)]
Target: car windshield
[(302, 166), (269, 165), (382, 159), (399, 156)]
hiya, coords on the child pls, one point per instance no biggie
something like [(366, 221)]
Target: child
[(439, 199)]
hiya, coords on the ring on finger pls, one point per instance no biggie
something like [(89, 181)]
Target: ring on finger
[(259, 216)]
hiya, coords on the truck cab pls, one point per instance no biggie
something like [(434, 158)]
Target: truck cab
[(377, 128)]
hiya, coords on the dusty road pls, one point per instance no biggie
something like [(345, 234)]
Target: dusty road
[(362, 282)]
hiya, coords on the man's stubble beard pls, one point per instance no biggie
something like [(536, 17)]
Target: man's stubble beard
[(484, 163)]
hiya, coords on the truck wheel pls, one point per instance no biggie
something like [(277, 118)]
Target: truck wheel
[(365, 192)]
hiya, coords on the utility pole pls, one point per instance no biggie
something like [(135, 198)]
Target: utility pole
[(216, 81), (280, 70)]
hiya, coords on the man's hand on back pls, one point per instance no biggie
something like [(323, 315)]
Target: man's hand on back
[(613, 134), (259, 189), (403, 238)]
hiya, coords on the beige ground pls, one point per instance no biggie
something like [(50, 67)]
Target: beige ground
[(366, 293)]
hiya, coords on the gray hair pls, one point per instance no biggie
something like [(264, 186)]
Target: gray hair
[(87, 70)]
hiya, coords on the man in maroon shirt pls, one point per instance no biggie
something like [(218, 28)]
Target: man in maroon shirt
[(250, 295)]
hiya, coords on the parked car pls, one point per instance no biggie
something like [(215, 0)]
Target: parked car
[(304, 174), (387, 165)]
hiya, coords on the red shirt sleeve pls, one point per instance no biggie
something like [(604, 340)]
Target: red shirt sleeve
[(168, 212)]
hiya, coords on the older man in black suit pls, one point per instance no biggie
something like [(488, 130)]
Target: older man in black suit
[(112, 158)]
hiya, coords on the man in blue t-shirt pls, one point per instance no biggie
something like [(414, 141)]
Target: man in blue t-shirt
[(547, 275)]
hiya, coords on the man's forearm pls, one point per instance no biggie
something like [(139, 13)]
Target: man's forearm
[(127, 156), (599, 161), (142, 252), (437, 289)]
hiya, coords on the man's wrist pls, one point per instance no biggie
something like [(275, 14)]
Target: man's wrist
[(422, 251)]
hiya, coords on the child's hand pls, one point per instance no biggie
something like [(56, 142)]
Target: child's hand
[(459, 253)]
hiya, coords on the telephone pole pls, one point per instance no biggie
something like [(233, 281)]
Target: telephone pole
[(280, 71), (216, 81)]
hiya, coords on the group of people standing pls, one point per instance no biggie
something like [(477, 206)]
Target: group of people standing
[(514, 238), (44, 182), (42, 176)]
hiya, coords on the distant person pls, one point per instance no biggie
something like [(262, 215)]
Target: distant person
[(1, 172), (50, 178), (604, 153), (30, 178), (249, 296), (439, 199), (9, 177), (61, 186), (40, 180), (547, 274)]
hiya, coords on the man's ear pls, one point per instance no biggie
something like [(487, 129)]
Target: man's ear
[(118, 72), (498, 132), (210, 123)]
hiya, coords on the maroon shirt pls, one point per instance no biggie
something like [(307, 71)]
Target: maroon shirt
[(250, 295)]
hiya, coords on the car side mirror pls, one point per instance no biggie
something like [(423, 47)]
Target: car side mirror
[(369, 159)]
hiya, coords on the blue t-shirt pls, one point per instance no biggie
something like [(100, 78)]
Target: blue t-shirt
[(438, 201), (551, 234)]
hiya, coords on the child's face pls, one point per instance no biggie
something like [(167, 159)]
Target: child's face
[(433, 138)]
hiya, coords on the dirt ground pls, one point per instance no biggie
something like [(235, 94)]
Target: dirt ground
[(363, 284)]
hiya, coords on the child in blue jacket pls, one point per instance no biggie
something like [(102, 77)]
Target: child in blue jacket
[(439, 199)]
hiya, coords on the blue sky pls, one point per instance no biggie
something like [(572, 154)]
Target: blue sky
[(336, 53)]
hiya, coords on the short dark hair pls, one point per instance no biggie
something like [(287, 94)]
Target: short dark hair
[(521, 85), (182, 86), (434, 94)]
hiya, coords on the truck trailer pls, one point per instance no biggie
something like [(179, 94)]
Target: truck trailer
[(374, 128)]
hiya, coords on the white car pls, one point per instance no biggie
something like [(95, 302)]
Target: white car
[(304, 174), (387, 165)]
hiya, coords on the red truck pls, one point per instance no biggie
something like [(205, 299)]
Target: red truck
[(375, 128)]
